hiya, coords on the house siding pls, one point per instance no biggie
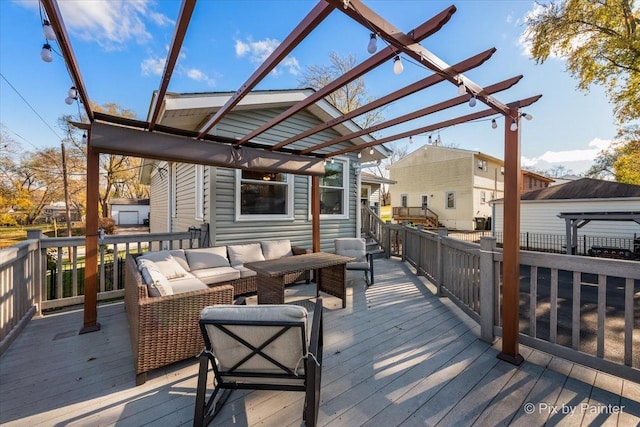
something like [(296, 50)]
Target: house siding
[(541, 216), (159, 199)]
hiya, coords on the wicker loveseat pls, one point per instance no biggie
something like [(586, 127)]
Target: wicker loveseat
[(164, 328)]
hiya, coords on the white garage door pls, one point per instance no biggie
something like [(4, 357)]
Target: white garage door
[(127, 217)]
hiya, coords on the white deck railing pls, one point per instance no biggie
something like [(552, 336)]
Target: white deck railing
[(44, 273)]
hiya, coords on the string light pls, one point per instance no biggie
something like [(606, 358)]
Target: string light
[(397, 65), (472, 101), (514, 126), (85, 138), (373, 44), (461, 88), (410, 139), (494, 124), (45, 53), (72, 95), (359, 154), (526, 116), (430, 142), (371, 151), (47, 30)]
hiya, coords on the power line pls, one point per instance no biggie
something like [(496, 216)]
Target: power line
[(30, 106)]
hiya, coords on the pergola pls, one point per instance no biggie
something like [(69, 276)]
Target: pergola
[(575, 220), (110, 134)]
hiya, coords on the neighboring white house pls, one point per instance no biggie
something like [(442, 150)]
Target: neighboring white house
[(539, 209), (130, 211), (371, 190), (245, 205)]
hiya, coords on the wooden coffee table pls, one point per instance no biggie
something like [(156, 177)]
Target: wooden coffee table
[(330, 277)]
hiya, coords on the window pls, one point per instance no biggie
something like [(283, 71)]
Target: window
[(264, 195), (403, 200), (450, 197), (425, 201), (482, 164), (333, 189), (199, 192), (483, 197)]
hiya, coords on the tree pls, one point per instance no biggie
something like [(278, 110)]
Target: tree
[(119, 174), (398, 152), (621, 161), (600, 41), (348, 97)]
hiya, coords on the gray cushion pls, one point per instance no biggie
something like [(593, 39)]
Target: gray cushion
[(287, 349), (274, 249), (244, 271), (207, 257), (352, 247), (358, 266), (157, 284), (178, 255), (187, 283), (216, 275), (166, 263), (242, 254)]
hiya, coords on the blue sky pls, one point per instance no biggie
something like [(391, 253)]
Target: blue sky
[(121, 46)]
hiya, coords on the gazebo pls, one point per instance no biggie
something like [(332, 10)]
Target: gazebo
[(148, 139)]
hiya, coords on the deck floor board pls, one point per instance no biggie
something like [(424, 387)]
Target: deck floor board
[(396, 355)]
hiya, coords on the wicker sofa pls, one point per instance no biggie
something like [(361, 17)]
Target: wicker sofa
[(164, 328)]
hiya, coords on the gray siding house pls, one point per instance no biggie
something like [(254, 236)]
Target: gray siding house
[(244, 206)]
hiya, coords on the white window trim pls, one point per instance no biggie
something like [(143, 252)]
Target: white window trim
[(290, 215), (406, 196), (446, 199), (199, 192), (422, 196), (345, 193)]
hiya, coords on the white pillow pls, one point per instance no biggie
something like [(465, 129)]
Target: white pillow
[(166, 263), (274, 249), (207, 257), (157, 283), (241, 254)]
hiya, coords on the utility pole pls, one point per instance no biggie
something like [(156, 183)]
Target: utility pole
[(67, 202)]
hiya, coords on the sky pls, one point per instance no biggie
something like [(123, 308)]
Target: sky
[(121, 47)]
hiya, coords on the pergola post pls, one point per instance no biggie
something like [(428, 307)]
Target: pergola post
[(315, 212), (91, 242), (511, 242)]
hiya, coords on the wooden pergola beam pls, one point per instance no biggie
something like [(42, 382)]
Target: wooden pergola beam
[(436, 126), (186, 11), (311, 21), (497, 87), (433, 79), (425, 30), (359, 12)]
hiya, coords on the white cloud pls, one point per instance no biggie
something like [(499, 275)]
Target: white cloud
[(258, 51), (199, 76), (153, 66), (577, 160), (110, 24)]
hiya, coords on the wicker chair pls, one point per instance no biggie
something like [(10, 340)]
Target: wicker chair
[(164, 330), (356, 248), (260, 347)]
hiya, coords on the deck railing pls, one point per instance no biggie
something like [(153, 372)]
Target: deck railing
[(44, 273), (579, 308)]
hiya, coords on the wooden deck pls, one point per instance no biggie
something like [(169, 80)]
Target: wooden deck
[(396, 355)]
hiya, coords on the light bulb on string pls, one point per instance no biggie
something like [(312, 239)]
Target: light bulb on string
[(69, 100), (359, 154), (430, 142), (494, 124), (45, 53), (410, 139), (85, 138), (514, 126), (47, 30), (371, 151), (397, 65), (373, 44), (461, 88), (527, 116), (73, 92), (472, 101)]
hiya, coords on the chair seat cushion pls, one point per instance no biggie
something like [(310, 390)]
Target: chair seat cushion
[(358, 266), (216, 275), (187, 283), (245, 272)]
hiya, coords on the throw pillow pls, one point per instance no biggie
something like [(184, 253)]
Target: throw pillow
[(166, 263), (157, 283), (207, 257), (274, 249), (241, 254)]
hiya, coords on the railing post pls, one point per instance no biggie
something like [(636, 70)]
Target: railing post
[(420, 229), (404, 241), (39, 273), (442, 232), (487, 288), (387, 239)]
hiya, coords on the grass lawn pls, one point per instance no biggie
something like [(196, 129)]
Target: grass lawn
[(9, 236)]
